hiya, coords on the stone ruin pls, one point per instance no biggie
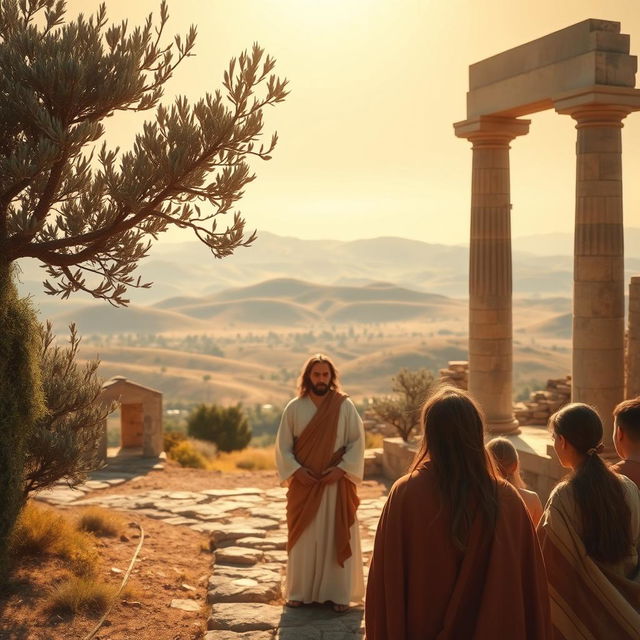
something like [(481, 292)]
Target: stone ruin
[(541, 404), (456, 374)]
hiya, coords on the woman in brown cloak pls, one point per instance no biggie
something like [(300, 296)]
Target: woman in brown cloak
[(455, 555)]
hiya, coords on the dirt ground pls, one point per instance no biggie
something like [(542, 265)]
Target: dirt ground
[(173, 560)]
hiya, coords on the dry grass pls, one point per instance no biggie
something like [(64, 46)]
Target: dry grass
[(40, 531), (373, 440), (199, 454), (81, 595), (249, 459), (100, 522)]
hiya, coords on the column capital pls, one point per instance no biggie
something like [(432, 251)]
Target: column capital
[(491, 131), (599, 105)]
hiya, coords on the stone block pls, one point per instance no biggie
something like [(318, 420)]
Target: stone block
[(598, 299), (243, 617), (238, 555), (397, 457), (598, 368), (598, 268), (224, 589), (607, 333)]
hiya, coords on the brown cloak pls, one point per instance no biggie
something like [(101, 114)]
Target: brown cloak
[(421, 587), (314, 449)]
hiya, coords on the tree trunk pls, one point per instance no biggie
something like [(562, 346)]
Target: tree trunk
[(21, 401)]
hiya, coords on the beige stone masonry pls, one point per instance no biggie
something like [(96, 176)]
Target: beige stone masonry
[(490, 270), (528, 78), (598, 298), (633, 346)]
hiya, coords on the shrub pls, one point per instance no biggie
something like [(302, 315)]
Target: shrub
[(81, 595), (402, 410), (40, 531), (65, 442), (100, 522), (172, 439), (186, 455), (227, 427)]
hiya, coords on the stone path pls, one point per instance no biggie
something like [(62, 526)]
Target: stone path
[(247, 528)]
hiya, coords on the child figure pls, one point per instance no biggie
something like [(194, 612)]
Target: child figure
[(507, 463)]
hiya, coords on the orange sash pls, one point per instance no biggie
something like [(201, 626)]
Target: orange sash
[(314, 449)]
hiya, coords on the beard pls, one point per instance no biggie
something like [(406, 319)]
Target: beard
[(320, 389)]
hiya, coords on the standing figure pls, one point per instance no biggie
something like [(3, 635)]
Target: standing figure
[(455, 555), (507, 462), (626, 438), (320, 457), (590, 536)]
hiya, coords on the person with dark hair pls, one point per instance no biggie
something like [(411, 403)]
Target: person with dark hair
[(455, 554), (505, 457), (626, 438), (590, 536), (320, 457)]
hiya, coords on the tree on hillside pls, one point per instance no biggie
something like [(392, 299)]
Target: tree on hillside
[(88, 212), (227, 427), (402, 410)]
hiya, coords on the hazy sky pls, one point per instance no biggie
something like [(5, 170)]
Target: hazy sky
[(366, 139)]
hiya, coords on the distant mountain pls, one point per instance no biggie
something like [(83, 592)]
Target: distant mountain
[(561, 244), (284, 303), (542, 266)]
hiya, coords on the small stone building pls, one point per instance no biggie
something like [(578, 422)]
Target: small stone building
[(141, 416)]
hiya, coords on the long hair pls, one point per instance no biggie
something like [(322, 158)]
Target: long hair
[(599, 494), (304, 380), (505, 458), (453, 443)]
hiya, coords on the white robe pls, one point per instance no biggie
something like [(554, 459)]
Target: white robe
[(313, 572)]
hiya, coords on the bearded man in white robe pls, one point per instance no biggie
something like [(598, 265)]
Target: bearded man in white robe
[(320, 457)]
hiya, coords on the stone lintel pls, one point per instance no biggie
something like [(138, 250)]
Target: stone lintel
[(569, 42), (598, 104), (492, 130)]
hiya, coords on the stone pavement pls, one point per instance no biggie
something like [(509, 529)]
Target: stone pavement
[(247, 529)]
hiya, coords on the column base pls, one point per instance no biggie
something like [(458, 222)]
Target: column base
[(508, 426)]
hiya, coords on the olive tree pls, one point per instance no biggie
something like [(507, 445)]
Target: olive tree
[(402, 409), (89, 212)]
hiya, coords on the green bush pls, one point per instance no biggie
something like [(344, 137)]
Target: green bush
[(227, 427)]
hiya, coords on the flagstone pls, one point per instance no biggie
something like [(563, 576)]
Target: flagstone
[(227, 589), (243, 617), (238, 555)]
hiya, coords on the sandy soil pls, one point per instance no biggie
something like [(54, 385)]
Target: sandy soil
[(170, 558)]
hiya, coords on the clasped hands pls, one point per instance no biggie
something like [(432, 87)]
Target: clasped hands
[(308, 478)]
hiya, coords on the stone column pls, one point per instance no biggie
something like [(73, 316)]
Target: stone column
[(633, 340), (598, 291), (490, 273)]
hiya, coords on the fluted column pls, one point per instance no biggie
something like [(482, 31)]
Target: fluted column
[(598, 290), (633, 341), (490, 271)]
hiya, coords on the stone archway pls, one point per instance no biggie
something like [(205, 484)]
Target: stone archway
[(584, 71)]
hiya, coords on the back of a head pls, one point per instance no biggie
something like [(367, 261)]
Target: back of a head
[(506, 460), (599, 494), (453, 442), (627, 417)]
